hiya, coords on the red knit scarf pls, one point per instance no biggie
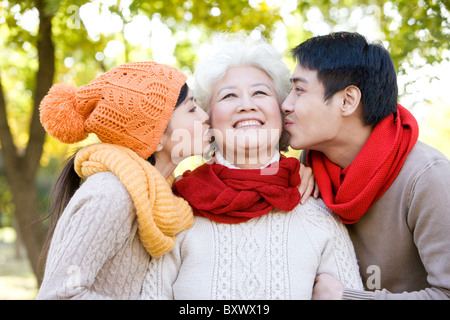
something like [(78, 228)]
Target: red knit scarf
[(352, 191), (237, 195)]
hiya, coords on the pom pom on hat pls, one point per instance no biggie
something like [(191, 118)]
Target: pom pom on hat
[(129, 105), (59, 115)]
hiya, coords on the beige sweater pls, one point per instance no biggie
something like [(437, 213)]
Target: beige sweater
[(403, 242), (95, 252), (275, 256)]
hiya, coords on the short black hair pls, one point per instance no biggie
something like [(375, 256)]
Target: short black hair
[(343, 59)]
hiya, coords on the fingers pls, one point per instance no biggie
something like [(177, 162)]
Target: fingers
[(316, 190), (309, 190), (307, 184)]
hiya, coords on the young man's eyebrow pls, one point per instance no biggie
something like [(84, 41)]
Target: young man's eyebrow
[(298, 79)]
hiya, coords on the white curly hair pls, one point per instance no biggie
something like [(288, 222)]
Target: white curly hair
[(238, 49)]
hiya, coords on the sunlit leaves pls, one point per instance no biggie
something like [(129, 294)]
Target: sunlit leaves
[(416, 32)]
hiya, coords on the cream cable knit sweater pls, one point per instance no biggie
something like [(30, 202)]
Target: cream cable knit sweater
[(276, 256), (96, 252)]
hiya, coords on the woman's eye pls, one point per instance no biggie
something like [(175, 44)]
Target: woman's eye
[(193, 108), (261, 92), (229, 95)]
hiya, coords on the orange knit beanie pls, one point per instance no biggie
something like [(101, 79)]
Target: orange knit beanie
[(130, 105)]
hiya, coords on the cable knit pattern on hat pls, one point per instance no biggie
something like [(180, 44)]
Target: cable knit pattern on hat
[(130, 105), (160, 214)]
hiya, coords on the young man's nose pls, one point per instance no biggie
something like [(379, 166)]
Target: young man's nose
[(287, 106)]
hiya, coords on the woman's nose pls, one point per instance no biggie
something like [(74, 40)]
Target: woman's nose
[(246, 104)]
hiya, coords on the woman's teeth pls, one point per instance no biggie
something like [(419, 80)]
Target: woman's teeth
[(247, 123)]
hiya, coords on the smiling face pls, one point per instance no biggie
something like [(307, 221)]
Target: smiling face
[(245, 116), (312, 122)]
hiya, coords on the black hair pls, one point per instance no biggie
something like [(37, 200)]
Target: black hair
[(183, 94), (343, 59)]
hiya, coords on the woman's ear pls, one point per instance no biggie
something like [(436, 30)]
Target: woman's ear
[(351, 100), (164, 138), (159, 147)]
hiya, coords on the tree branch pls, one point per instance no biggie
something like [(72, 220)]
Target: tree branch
[(8, 147), (44, 80)]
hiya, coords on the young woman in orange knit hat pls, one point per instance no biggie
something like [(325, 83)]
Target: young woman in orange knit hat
[(124, 212)]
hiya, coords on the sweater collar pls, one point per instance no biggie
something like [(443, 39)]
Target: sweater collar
[(219, 159)]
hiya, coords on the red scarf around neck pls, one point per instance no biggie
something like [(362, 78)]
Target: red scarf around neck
[(351, 192), (237, 195)]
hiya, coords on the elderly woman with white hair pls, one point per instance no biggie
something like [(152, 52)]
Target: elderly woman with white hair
[(252, 238)]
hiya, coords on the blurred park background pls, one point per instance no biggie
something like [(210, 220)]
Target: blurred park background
[(48, 41)]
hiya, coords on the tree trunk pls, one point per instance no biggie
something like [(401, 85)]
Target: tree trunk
[(21, 167), (26, 214)]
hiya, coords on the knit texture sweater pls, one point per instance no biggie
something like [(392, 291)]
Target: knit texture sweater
[(160, 214), (125, 205), (275, 256), (95, 251), (403, 242)]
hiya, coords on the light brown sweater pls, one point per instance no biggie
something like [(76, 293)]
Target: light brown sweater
[(403, 242)]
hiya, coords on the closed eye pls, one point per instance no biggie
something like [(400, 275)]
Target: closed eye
[(229, 95), (261, 93)]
